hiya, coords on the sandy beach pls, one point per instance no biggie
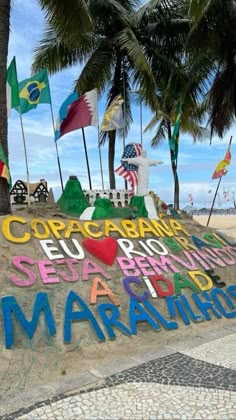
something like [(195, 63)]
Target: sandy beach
[(226, 223)]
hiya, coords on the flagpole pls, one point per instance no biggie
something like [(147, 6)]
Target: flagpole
[(126, 183), (213, 202), (86, 156), (58, 160), (227, 158), (100, 159), (141, 122), (26, 160)]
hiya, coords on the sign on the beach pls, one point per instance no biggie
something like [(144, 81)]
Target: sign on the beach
[(147, 257)]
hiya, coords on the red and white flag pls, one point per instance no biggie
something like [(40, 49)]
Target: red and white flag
[(126, 170)]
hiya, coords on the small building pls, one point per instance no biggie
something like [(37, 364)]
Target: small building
[(119, 198), (38, 192)]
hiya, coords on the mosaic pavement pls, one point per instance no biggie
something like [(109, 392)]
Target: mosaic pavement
[(199, 383)]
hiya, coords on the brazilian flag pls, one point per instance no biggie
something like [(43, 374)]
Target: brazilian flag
[(34, 91), (174, 141)]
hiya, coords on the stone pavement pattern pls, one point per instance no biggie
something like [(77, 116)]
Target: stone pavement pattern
[(197, 383)]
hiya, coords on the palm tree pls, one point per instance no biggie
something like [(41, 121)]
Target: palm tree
[(112, 56), (179, 74), (215, 29), (191, 122), (4, 37)]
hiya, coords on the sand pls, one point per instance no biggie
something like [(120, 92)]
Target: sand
[(226, 223), (42, 360)]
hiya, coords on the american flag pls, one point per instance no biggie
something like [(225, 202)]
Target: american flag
[(126, 170)]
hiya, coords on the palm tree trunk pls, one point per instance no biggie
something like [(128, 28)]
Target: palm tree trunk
[(111, 157), (175, 175), (4, 37)]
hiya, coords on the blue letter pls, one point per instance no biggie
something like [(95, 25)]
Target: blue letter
[(232, 290), (214, 294), (142, 316), (84, 315), (108, 321), (9, 305), (168, 325), (193, 316), (205, 306)]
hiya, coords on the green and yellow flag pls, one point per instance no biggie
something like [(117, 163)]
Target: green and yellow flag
[(34, 91), (174, 141)]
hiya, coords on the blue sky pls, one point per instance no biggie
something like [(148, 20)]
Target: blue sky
[(196, 162)]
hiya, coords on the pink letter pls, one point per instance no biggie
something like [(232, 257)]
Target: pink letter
[(17, 262), (69, 263), (44, 271)]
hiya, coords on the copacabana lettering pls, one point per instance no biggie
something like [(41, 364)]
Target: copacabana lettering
[(58, 229)]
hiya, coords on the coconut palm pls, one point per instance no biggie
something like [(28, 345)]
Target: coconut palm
[(192, 120), (214, 28), (113, 58), (179, 73), (4, 37)]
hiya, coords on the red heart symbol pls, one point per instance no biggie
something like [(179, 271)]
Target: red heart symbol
[(105, 250)]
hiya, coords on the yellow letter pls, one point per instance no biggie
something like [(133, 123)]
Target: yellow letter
[(73, 227), (177, 226), (37, 234), (92, 233), (111, 227), (7, 232), (130, 228), (55, 226), (194, 274), (185, 244), (162, 230), (145, 226)]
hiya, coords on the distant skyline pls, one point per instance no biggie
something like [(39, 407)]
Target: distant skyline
[(196, 163)]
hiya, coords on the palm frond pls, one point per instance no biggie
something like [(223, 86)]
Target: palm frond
[(222, 100), (55, 54), (159, 115), (70, 14), (160, 135), (128, 44), (98, 69)]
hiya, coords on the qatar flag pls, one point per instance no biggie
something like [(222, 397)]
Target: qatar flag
[(79, 113)]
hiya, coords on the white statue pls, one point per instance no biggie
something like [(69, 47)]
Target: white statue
[(143, 163)]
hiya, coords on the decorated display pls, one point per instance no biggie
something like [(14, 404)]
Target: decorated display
[(161, 274)]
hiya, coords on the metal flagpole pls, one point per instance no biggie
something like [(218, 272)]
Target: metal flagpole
[(126, 183), (58, 160), (228, 159), (26, 160), (213, 202), (100, 159), (141, 122), (86, 156)]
